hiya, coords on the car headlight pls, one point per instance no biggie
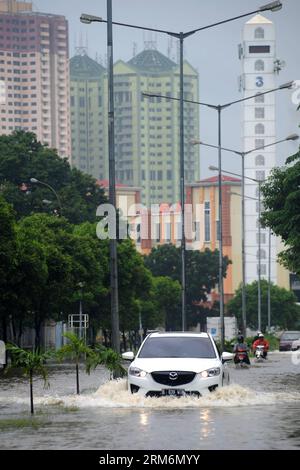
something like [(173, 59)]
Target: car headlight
[(210, 372), (136, 372)]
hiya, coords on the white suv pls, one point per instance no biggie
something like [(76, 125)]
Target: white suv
[(176, 364)]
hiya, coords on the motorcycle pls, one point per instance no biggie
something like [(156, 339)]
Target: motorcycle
[(241, 359), (259, 353)]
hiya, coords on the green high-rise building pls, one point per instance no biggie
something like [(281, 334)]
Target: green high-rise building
[(147, 136), (88, 115)]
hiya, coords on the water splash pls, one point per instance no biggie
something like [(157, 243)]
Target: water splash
[(114, 394)]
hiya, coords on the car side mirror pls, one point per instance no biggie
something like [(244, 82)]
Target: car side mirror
[(226, 356), (128, 356)]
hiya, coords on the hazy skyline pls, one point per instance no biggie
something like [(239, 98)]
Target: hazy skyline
[(212, 52)]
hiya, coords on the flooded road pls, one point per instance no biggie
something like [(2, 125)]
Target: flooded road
[(259, 410)]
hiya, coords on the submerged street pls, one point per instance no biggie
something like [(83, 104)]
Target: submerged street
[(259, 410)]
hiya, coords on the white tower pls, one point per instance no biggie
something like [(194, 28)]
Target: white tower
[(258, 56)]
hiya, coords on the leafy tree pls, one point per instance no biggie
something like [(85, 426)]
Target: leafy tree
[(167, 295), (107, 357), (281, 194), (8, 261), (285, 311), (201, 273), (55, 260), (75, 349), (31, 362), (22, 157)]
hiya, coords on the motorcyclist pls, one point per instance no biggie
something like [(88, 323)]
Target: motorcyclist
[(261, 341), (256, 337), (241, 347)]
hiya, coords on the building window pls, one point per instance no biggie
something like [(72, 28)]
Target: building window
[(218, 229), (259, 98), (259, 49), (259, 143), (259, 65), (259, 129), (262, 238), (197, 231), (259, 113), (262, 254), (152, 175), (157, 231), (159, 175), (259, 160), (260, 175), (263, 269), (169, 175), (259, 33), (207, 221), (167, 236)]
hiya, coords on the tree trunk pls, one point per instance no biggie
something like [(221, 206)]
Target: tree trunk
[(105, 338), (31, 391), (20, 332), (37, 329), (4, 329), (77, 378), (124, 340)]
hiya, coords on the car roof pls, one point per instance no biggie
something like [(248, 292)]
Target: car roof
[(290, 331), (171, 334)]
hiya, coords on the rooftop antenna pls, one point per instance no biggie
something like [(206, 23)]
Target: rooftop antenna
[(87, 43)]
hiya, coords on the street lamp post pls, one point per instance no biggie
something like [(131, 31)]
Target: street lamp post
[(219, 108), (87, 19), (291, 137), (36, 181), (269, 281), (113, 260)]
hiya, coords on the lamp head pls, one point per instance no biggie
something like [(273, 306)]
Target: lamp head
[(195, 142), (34, 180), (292, 137), (287, 85), (273, 6), (213, 168), (88, 19)]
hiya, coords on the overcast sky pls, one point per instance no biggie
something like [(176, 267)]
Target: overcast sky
[(213, 53)]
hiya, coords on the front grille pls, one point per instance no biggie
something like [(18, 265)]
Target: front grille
[(173, 378), (156, 394)]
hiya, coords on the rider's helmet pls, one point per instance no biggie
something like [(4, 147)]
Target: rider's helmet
[(240, 338), (261, 336)]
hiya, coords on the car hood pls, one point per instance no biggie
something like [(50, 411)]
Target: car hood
[(175, 364)]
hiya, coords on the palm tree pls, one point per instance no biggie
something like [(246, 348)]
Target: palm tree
[(32, 362), (109, 359), (75, 349)]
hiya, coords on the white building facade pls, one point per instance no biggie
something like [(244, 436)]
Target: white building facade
[(258, 56)]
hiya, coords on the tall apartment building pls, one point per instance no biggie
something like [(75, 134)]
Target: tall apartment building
[(259, 63), (146, 130), (89, 128), (34, 74)]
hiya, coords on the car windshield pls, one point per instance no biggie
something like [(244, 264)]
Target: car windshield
[(290, 336), (179, 347)]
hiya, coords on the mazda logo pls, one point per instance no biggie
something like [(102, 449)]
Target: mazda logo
[(173, 375)]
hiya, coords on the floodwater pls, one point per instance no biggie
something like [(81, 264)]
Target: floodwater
[(259, 410)]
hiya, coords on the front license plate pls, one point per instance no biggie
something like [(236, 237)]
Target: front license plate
[(173, 393)]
